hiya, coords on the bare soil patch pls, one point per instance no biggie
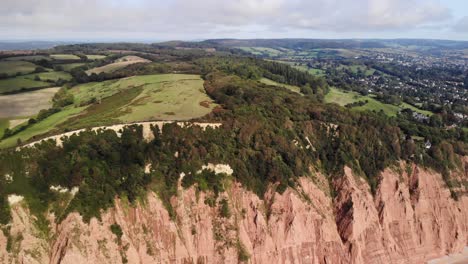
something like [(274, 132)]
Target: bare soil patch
[(26, 104)]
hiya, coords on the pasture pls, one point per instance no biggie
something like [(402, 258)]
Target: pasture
[(11, 68), (64, 57), (162, 97), (20, 83), (95, 57), (292, 88), (356, 68), (43, 127), (51, 76), (343, 98), (138, 98), (118, 64), (70, 66), (31, 58), (4, 124), (26, 104)]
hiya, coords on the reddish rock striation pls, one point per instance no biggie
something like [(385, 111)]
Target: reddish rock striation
[(410, 219)]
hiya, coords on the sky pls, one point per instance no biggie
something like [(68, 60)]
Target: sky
[(160, 20)]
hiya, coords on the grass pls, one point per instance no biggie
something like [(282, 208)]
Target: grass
[(138, 98), (13, 67), (52, 76), (356, 68), (163, 96), (118, 64), (170, 97), (25, 82), (42, 127), (4, 124), (20, 83), (95, 57), (344, 97), (293, 88), (64, 57), (70, 66), (106, 112), (29, 58), (261, 51), (26, 104)]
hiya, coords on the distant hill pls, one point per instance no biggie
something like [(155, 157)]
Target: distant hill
[(30, 45), (337, 43)]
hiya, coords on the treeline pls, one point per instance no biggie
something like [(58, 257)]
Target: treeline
[(254, 69)]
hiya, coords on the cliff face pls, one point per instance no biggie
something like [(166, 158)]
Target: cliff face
[(410, 219)]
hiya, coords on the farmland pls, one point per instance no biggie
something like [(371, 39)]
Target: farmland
[(52, 76), (95, 57), (343, 98), (42, 127), (287, 86), (118, 64), (138, 98), (162, 97), (3, 125), (11, 68), (31, 58), (64, 57), (31, 81), (20, 83), (70, 66), (26, 104)]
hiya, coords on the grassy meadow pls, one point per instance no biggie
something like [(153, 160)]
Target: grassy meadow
[(64, 57), (343, 98), (117, 64), (31, 58), (4, 124), (70, 66), (26, 104), (292, 88), (20, 83), (13, 67), (95, 57), (138, 98), (43, 127)]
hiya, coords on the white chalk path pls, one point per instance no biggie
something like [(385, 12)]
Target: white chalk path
[(459, 258), (147, 132)]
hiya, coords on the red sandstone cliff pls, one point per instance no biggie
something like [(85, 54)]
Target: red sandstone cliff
[(410, 219)]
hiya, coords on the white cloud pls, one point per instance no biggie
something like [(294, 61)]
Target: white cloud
[(462, 25), (202, 17)]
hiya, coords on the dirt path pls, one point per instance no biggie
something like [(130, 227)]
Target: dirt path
[(147, 133), (461, 258)]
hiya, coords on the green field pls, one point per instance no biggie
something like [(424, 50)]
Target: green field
[(52, 76), (356, 68), (20, 83), (261, 51), (313, 71), (138, 98), (29, 58), (344, 97), (4, 124), (163, 97), (69, 66), (293, 88), (14, 67), (42, 127), (64, 57), (95, 57), (117, 64)]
